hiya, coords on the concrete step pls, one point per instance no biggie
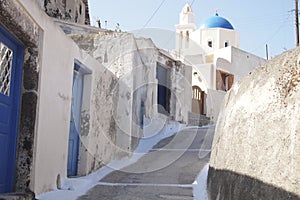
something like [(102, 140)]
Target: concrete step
[(197, 120)]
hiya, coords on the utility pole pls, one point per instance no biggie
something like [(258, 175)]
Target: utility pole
[(267, 52), (297, 22)]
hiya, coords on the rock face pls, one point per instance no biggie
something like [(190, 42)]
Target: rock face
[(256, 150)]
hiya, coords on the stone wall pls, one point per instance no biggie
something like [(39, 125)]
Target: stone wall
[(255, 153), (98, 130), (117, 53), (45, 107), (133, 62), (17, 22), (70, 10)]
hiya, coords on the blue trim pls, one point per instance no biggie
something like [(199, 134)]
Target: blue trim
[(15, 92), (73, 151), (78, 66)]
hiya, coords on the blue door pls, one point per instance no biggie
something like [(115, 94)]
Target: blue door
[(75, 122), (11, 59)]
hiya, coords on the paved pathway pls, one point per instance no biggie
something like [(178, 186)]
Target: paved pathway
[(166, 172)]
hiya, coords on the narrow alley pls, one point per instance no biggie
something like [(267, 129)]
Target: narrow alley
[(167, 171)]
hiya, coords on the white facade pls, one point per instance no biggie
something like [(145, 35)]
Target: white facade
[(120, 89), (213, 51)]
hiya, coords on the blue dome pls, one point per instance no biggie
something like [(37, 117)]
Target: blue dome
[(216, 22)]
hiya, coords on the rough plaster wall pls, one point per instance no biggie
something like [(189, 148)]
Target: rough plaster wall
[(118, 53), (99, 141), (213, 103), (147, 56), (28, 120), (113, 50), (111, 100), (244, 62), (74, 28), (182, 87), (258, 132), (179, 80), (16, 20), (70, 10), (133, 62)]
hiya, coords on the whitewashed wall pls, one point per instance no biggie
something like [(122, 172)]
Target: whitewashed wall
[(56, 66)]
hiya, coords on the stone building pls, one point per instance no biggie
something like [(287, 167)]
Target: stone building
[(255, 153), (213, 49), (74, 11), (71, 103)]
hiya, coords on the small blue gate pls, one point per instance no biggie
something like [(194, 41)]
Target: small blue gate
[(11, 60)]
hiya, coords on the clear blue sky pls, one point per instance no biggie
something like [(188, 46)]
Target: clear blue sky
[(259, 22)]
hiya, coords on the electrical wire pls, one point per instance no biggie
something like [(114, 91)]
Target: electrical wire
[(154, 13), (274, 34), (192, 2)]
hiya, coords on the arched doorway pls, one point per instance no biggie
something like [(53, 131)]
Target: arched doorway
[(198, 100)]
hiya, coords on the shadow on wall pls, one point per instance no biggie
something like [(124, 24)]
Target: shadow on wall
[(224, 185)]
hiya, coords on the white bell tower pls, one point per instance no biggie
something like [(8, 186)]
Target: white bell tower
[(185, 27)]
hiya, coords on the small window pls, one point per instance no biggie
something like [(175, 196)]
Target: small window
[(209, 43), (224, 81), (80, 9), (226, 44), (187, 39), (180, 39), (6, 62)]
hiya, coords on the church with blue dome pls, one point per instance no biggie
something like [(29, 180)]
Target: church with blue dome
[(214, 32), (216, 22), (212, 48)]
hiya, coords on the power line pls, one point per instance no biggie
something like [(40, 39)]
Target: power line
[(192, 2), (274, 34), (157, 9)]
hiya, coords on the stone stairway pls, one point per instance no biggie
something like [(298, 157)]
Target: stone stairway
[(198, 120)]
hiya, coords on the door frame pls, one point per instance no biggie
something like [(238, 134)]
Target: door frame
[(197, 100), (163, 88), (15, 90), (83, 71)]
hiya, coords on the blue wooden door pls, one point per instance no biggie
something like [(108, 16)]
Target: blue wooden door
[(75, 123), (11, 59)]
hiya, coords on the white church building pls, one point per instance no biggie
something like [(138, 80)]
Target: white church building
[(213, 49)]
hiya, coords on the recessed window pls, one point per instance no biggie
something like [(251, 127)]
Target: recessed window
[(209, 43), (187, 39), (226, 44), (80, 9), (224, 81), (6, 61), (180, 39)]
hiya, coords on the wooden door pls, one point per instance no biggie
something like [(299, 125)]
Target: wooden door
[(198, 100)]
